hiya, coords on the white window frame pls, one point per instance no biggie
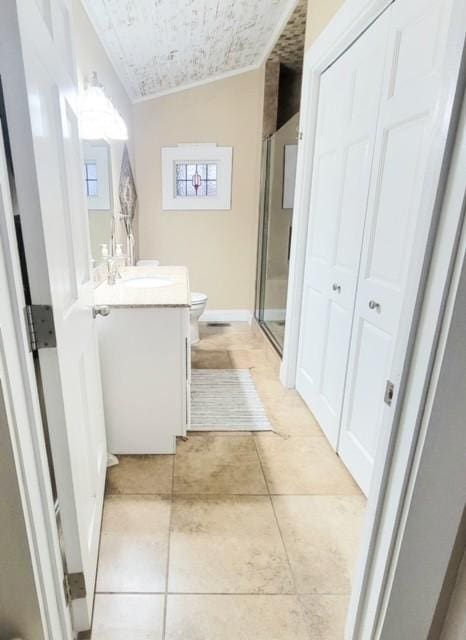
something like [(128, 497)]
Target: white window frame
[(197, 154)]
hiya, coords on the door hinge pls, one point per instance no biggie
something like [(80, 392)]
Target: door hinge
[(389, 393), (74, 586), (40, 326)]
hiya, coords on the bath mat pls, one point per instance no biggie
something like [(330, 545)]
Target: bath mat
[(226, 400)]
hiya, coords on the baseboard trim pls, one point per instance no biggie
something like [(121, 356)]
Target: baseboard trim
[(226, 315)]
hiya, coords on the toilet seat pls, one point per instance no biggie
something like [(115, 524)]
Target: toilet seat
[(198, 298)]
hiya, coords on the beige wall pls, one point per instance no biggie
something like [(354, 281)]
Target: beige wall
[(219, 248), (91, 56), (320, 12)]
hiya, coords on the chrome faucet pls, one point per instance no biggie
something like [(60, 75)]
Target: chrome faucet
[(113, 271)]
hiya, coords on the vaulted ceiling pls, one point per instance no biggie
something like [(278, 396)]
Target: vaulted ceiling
[(159, 46), (289, 48)]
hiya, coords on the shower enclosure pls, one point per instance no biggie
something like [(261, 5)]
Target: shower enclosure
[(276, 216)]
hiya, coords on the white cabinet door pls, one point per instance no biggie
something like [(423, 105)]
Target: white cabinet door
[(347, 120), (48, 168), (145, 380), (398, 221)]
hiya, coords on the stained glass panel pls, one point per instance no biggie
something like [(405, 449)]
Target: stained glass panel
[(185, 173), (181, 188), (180, 171)]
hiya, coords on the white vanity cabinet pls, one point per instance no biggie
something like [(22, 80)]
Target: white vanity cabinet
[(146, 366)]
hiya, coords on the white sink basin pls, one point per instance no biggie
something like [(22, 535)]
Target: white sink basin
[(147, 282)]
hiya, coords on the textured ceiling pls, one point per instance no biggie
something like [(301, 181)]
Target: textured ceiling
[(158, 46), (289, 48)]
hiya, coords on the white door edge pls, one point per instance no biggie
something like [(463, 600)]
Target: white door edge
[(30, 454)]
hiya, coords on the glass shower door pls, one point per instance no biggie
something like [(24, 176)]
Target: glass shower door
[(277, 195)]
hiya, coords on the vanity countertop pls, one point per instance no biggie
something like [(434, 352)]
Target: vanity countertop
[(121, 295)]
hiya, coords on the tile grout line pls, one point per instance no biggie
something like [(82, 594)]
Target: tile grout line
[(234, 495), (224, 593), (165, 604), (293, 577)]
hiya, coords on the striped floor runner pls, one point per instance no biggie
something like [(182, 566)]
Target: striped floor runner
[(226, 400)]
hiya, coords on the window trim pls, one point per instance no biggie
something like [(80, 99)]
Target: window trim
[(88, 180), (196, 154)]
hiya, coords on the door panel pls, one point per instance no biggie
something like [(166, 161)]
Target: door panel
[(347, 118), (71, 372), (397, 224)]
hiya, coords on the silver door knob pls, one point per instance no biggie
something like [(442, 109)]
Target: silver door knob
[(336, 287), (100, 310), (374, 305)]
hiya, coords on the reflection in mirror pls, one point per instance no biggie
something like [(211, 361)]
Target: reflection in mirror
[(103, 173), (98, 180)]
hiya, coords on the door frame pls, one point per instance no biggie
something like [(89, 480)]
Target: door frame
[(28, 443), (397, 448)]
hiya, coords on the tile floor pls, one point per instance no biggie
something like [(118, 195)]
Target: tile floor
[(238, 536)]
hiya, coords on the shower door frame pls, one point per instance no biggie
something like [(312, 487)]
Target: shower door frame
[(264, 216)]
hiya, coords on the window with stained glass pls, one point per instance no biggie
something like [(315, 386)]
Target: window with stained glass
[(92, 183), (195, 179)]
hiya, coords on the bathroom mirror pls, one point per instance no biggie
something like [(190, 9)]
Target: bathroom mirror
[(99, 192), (102, 174)]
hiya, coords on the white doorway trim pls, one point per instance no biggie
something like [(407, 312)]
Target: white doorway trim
[(398, 444)]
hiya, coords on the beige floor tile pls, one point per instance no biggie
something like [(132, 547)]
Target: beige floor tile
[(325, 616), (225, 617), (249, 359), (204, 359), (218, 464), (229, 341), (226, 545), (141, 474), (290, 417), (300, 465), (321, 535), (270, 387), (134, 544), (128, 617)]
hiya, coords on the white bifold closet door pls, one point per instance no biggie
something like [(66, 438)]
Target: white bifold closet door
[(398, 222), (347, 119), (371, 245)]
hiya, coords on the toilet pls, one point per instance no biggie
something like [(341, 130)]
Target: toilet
[(198, 305)]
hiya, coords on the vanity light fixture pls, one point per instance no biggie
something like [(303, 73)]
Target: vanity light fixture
[(98, 118)]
